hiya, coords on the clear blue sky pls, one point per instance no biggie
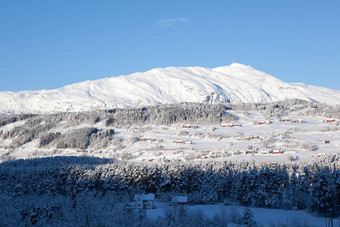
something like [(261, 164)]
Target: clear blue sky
[(52, 43)]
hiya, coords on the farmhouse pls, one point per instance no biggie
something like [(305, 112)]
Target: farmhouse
[(330, 120), (145, 201), (179, 200), (277, 152)]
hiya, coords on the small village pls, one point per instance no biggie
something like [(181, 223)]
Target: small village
[(196, 142)]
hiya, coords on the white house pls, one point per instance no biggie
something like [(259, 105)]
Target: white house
[(179, 200), (145, 201)]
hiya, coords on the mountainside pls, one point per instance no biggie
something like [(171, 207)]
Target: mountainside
[(235, 83)]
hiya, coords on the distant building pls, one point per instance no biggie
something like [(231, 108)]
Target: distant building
[(226, 124), (145, 201), (179, 200), (321, 154), (277, 152)]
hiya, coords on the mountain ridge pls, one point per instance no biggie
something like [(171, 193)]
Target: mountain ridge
[(235, 83)]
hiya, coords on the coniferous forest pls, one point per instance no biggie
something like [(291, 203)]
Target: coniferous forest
[(74, 189)]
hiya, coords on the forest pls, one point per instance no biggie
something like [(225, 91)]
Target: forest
[(62, 184)]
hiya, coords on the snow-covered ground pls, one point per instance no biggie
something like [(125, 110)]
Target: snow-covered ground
[(310, 140), (235, 83), (262, 216)]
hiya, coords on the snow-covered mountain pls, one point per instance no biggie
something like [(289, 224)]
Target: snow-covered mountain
[(235, 83)]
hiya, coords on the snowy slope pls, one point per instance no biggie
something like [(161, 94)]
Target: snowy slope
[(235, 83)]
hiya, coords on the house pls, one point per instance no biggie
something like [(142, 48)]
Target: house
[(80, 150), (251, 151), (226, 124), (186, 126), (179, 200), (297, 121), (321, 154), (188, 142), (327, 141), (213, 155), (263, 122), (145, 201), (277, 152), (286, 119), (330, 120)]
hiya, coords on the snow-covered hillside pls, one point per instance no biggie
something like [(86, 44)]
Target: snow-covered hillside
[(235, 83)]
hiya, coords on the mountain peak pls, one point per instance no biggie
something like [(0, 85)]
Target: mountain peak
[(235, 83)]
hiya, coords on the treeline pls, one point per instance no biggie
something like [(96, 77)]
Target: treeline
[(282, 108), (315, 186)]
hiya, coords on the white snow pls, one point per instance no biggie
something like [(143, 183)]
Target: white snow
[(235, 83), (262, 216)]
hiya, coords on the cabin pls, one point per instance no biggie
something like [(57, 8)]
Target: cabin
[(150, 160), (330, 120), (145, 201), (286, 119), (277, 152), (143, 139), (179, 200), (327, 141)]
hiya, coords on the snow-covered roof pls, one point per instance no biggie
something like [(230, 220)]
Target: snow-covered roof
[(149, 196), (180, 199)]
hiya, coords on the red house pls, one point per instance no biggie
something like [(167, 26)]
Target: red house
[(278, 152)]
